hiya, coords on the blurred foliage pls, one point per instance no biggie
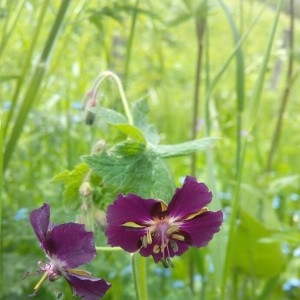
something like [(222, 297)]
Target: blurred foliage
[(152, 46)]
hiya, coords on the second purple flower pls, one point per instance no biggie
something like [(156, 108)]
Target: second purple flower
[(163, 231)]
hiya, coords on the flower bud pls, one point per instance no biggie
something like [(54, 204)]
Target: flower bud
[(85, 189)]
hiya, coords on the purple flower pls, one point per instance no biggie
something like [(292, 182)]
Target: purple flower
[(67, 246), (161, 230)]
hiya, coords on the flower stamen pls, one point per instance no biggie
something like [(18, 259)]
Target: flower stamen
[(39, 284), (172, 229), (178, 237), (144, 241), (156, 249), (149, 238), (174, 245)]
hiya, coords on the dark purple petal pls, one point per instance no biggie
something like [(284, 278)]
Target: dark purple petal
[(71, 244), (189, 199), (87, 288), (202, 228), (125, 237), (128, 209), (40, 219)]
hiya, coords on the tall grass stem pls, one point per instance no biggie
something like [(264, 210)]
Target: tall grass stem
[(286, 92), (26, 67), (35, 83), (130, 42), (254, 103)]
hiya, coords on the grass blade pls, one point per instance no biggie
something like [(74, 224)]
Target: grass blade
[(35, 83)]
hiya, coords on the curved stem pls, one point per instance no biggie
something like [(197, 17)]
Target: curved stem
[(100, 79)]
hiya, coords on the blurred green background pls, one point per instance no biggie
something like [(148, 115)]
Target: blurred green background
[(245, 92)]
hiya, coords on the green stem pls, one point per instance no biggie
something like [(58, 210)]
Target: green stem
[(139, 273), (26, 67), (259, 83), (35, 83), (286, 92), (1, 204), (200, 30), (108, 249), (130, 41), (9, 25), (257, 91)]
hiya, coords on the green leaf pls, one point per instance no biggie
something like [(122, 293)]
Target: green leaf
[(183, 148), (142, 173), (129, 148), (109, 115), (281, 183), (132, 131), (119, 121), (256, 252), (72, 180), (140, 110)]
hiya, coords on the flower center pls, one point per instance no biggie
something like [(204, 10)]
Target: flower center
[(52, 268), (164, 232)]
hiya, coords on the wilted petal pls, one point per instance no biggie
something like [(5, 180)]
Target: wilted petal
[(40, 219), (189, 199), (202, 228), (87, 288), (71, 244)]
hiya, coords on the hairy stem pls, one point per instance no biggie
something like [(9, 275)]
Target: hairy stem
[(139, 272)]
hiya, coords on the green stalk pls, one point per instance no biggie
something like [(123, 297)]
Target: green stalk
[(10, 24), (240, 82), (257, 91), (35, 83), (26, 66), (108, 249), (212, 85), (139, 272), (219, 240), (130, 41), (200, 30), (1, 204), (286, 92)]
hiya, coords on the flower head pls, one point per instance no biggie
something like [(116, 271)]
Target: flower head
[(67, 246), (163, 231)]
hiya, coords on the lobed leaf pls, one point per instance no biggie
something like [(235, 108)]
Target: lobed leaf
[(143, 173)]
